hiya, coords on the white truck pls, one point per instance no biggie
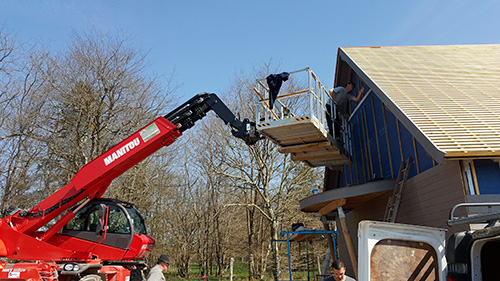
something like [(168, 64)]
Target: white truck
[(392, 251)]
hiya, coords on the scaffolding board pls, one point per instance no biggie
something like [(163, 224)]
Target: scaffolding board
[(305, 141), (297, 121)]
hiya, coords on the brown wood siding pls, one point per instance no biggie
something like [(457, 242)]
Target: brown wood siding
[(429, 197), (427, 200)]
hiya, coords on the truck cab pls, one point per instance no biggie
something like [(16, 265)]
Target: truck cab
[(113, 228)]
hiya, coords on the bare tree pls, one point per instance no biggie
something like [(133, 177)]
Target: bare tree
[(7, 74), (99, 95), (61, 111), (21, 72), (8, 57), (260, 181), (216, 224), (205, 201), (270, 181), (178, 213)]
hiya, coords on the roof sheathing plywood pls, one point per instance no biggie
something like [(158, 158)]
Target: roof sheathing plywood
[(447, 96)]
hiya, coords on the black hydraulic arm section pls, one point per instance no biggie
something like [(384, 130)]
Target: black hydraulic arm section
[(198, 106)]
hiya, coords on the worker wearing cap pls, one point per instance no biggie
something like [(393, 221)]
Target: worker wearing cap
[(156, 273)]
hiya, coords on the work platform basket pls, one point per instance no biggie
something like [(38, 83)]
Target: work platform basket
[(296, 120)]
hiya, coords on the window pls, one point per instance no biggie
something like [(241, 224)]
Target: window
[(137, 220), (393, 259), (87, 219), (118, 221)]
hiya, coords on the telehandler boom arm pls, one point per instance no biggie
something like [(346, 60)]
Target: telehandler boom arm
[(94, 178)]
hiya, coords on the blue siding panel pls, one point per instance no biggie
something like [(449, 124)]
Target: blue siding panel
[(392, 132), (488, 176), (371, 161), (424, 160), (358, 151), (408, 148), (375, 172), (344, 176), (384, 154)]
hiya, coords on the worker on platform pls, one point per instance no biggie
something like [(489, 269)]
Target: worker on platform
[(338, 269), (156, 273), (341, 96)]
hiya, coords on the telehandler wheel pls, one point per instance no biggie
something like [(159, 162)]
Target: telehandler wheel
[(136, 275), (91, 277)]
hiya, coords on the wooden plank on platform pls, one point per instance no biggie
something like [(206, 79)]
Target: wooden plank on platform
[(305, 141), (301, 140), (325, 164), (328, 162), (293, 134), (333, 152), (324, 145), (314, 157), (294, 128)]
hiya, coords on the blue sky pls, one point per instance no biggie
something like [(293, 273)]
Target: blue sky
[(207, 42)]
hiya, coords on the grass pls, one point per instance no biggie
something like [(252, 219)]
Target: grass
[(240, 273)]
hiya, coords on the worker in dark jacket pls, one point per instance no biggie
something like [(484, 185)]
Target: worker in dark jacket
[(156, 273)]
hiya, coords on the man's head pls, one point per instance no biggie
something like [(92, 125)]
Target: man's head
[(349, 86), (164, 261), (338, 268)]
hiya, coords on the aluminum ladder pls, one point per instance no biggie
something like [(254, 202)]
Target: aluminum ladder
[(391, 210)]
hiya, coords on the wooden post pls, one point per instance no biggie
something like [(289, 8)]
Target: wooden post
[(319, 265), (348, 241), (325, 210), (329, 238), (231, 269)]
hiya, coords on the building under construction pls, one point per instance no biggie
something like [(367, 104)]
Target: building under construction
[(424, 137)]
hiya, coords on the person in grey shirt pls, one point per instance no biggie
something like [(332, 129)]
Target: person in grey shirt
[(156, 273), (340, 96), (338, 269)]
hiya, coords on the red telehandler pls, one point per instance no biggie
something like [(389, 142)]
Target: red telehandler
[(100, 239)]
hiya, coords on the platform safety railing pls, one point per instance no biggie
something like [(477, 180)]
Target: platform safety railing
[(302, 95)]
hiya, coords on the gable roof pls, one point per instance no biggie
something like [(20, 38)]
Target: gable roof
[(448, 97)]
